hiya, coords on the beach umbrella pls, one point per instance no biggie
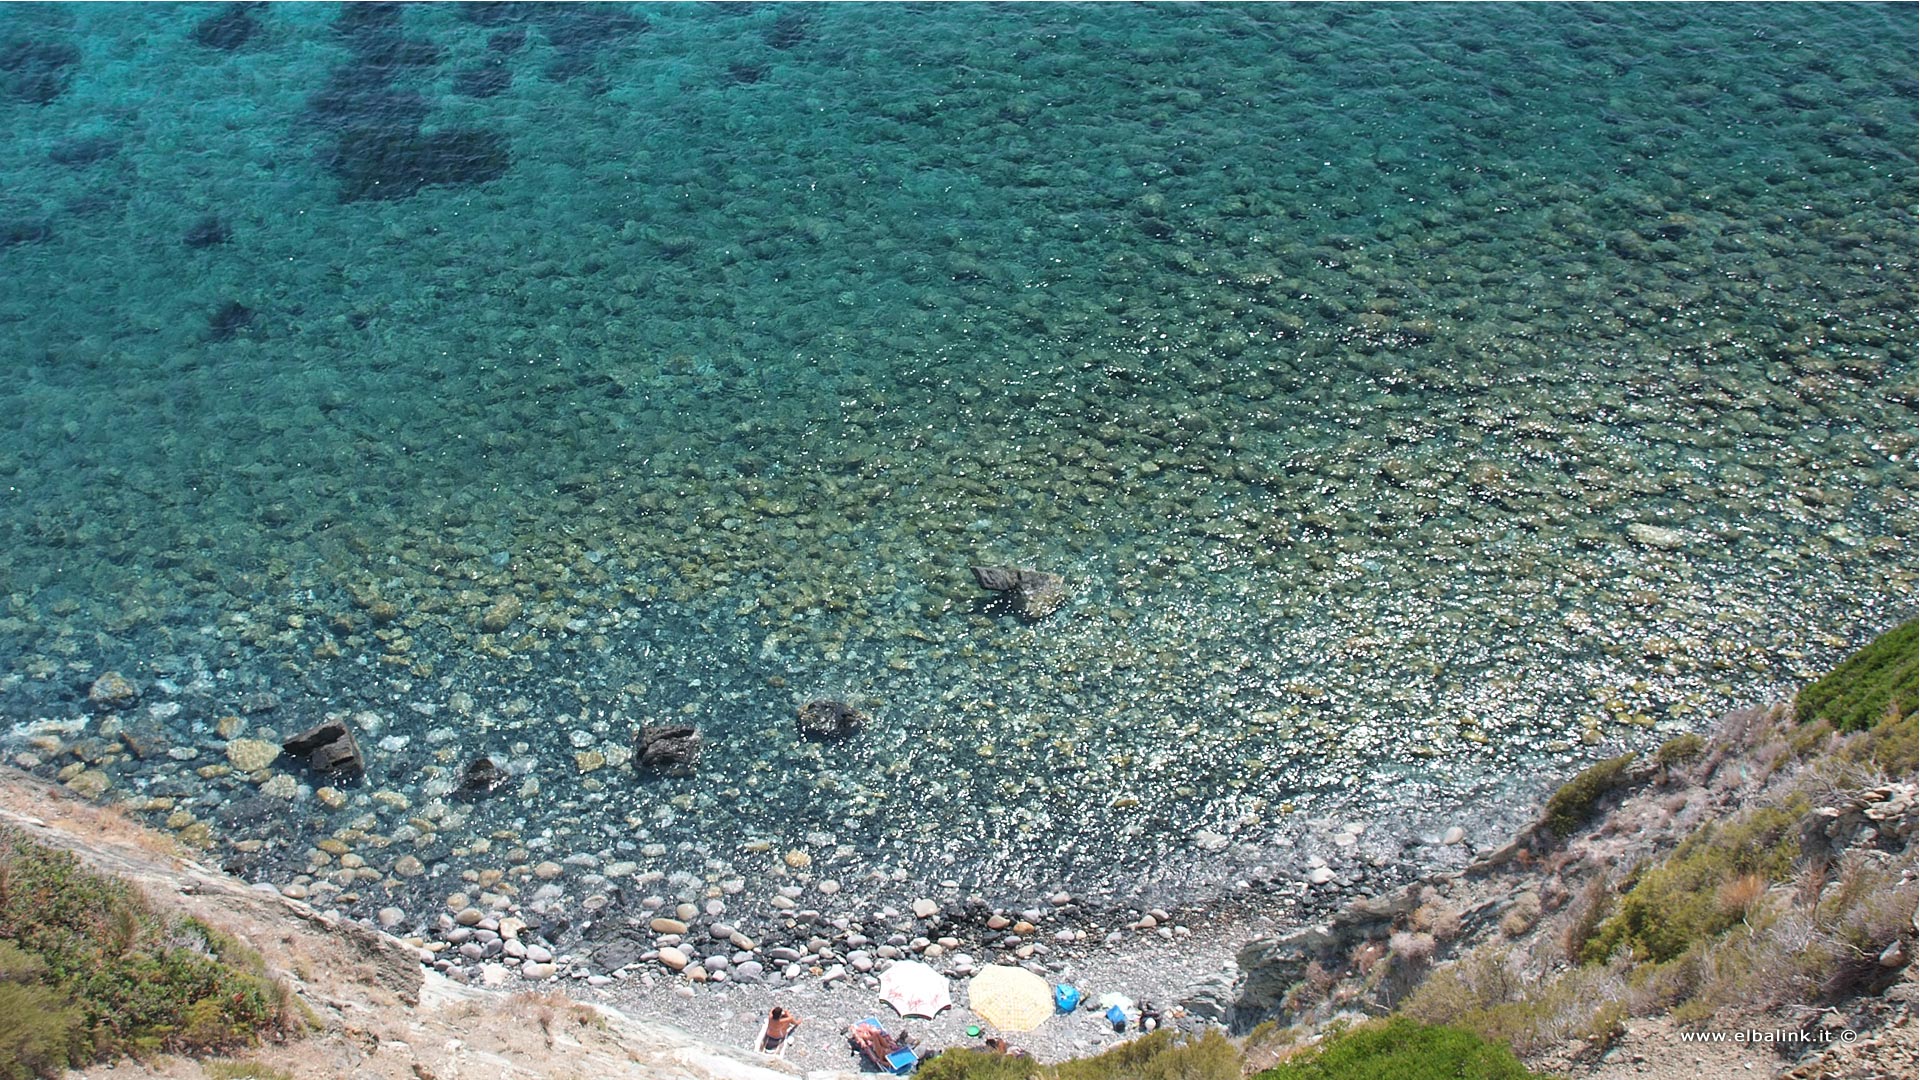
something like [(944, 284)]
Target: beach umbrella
[(914, 989), (1010, 998)]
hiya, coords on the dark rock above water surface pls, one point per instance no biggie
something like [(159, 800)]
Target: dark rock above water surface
[(328, 746), (1040, 593), (481, 776), (829, 719), (668, 749)]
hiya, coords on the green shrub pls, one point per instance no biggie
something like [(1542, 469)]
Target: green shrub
[(1892, 746), (1679, 750), (1680, 902), (1787, 954), (1266, 1044), (1573, 804), (41, 1032), (1483, 993), (90, 950), (961, 1063), (1402, 1049), (1878, 682), (1163, 1055)]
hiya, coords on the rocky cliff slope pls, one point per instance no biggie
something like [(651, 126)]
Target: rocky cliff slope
[(1754, 889)]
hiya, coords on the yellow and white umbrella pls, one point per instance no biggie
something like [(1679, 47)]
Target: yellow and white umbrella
[(1010, 998)]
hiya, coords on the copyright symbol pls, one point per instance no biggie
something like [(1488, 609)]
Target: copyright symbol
[(1848, 1035)]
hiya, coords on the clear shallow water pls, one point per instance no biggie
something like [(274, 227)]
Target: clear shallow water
[(1420, 400)]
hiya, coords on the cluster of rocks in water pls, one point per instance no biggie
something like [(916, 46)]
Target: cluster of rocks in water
[(523, 911), (544, 919), (570, 918), (674, 749)]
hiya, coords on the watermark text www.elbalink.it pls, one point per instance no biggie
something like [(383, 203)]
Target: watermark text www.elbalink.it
[(1771, 1036)]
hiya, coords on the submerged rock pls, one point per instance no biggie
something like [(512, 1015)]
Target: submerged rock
[(328, 746), (381, 163), (829, 719), (1040, 593), (500, 614), (1657, 536), (251, 755), (112, 691), (228, 30), (668, 749)]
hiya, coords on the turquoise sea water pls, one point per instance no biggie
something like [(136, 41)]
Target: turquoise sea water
[(1420, 401)]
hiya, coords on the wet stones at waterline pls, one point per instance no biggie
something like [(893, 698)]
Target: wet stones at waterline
[(829, 719), (328, 746), (1037, 593), (666, 749)]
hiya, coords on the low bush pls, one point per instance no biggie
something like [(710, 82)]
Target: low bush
[(1880, 682), (105, 974), (1787, 952), (1402, 1049), (1590, 908), (1680, 902), (41, 1031), (962, 1063), (1890, 747), (1485, 994), (1571, 806), (1163, 1055), (1266, 1045), (1679, 750)]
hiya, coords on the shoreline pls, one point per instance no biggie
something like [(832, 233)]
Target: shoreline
[(688, 965)]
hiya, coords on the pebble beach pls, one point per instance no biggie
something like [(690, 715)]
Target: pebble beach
[(1405, 406)]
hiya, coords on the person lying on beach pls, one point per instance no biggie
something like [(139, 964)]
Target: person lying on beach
[(874, 1044)]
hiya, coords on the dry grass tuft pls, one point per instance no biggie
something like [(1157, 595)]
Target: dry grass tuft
[(1436, 918), (1738, 895), (553, 1011)]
